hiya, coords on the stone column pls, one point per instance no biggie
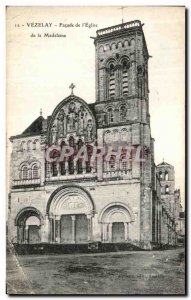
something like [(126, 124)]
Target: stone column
[(84, 166), (93, 166), (66, 167), (59, 169), (97, 228), (89, 217), (110, 232), (73, 229), (104, 232), (57, 229), (51, 228), (20, 234), (26, 234), (54, 231), (48, 169), (126, 230), (45, 230), (75, 167)]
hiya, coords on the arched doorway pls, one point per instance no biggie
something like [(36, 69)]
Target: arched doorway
[(29, 222), (115, 219), (33, 225), (70, 211)]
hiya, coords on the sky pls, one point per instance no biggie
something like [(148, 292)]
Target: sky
[(40, 70)]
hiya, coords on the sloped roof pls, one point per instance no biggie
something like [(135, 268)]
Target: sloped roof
[(164, 164), (35, 127)]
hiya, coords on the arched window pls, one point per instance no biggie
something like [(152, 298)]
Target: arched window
[(54, 169), (62, 163), (110, 115), (79, 163), (160, 175), (125, 87), (36, 144), (101, 49), (166, 189), (125, 163), (28, 145), (166, 175), (111, 81), (24, 172), (71, 141), (112, 163), (88, 163), (122, 113), (35, 171), (54, 154), (71, 157), (23, 146), (132, 43)]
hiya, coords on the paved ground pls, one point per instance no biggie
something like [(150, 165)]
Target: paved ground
[(155, 272)]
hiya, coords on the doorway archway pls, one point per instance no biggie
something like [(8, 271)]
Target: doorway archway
[(115, 219), (29, 221), (70, 210)]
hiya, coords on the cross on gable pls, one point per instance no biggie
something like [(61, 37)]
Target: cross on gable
[(72, 86)]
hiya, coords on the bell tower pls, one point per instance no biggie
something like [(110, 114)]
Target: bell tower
[(122, 73), (122, 112)]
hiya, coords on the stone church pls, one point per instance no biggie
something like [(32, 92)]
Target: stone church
[(77, 201)]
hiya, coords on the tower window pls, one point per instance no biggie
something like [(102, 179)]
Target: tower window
[(166, 176), (111, 81), (125, 88), (166, 189), (122, 113), (110, 116)]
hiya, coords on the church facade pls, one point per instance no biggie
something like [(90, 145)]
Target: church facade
[(59, 197)]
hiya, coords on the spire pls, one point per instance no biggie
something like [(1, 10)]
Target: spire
[(41, 112)]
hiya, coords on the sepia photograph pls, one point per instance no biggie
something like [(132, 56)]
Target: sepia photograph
[(95, 150)]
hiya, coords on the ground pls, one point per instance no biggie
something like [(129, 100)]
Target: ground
[(132, 272)]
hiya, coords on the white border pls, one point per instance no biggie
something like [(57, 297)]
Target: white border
[(3, 4)]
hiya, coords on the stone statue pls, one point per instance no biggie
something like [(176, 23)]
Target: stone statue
[(81, 116), (72, 118), (89, 130), (54, 132), (60, 123)]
